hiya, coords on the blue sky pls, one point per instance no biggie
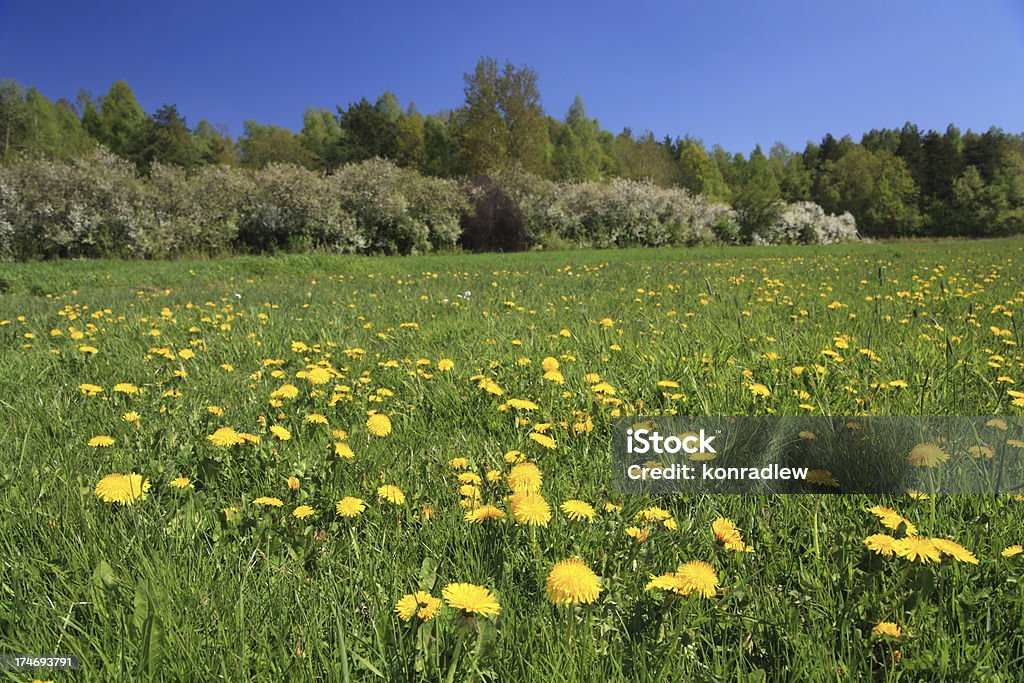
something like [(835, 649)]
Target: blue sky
[(730, 72)]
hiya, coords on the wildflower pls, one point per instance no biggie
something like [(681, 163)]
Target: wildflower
[(90, 389), (445, 365), (349, 506), (268, 501), (693, 577), (379, 424), (281, 433), (391, 494), (101, 441), (759, 390), (530, 509), (954, 550), (543, 439), (578, 510), (483, 513), (1012, 550), (182, 483), (421, 604), (926, 455), (123, 489), (915, 549), (343, 450), (285, 391), (886, 628), (471, 599), (572, 581), (821, 478), (126, 388), (525, 478), (315, 419), (638, 534), (458, 463), (293, 484), (302, 511), (880, 544), (225, 436)]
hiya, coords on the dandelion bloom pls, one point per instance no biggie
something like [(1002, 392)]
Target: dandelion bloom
[(318, 375), (638, 534), (391, 494), (225, 436), (543, 439), (421, 604), (549, 364), (181, 483), (131, 417), (343, 450), (525, 478), (759, 390), (302, 511), (90, 389), (315, 419), (915, 549), (445, 364), (126, 388), (471, 599), (293, 484), (578, 510), (470, 478), (954, 550), (572, 581), (123, 489), (349, 506), (285, 391), (268, 501), (693, 577), (483, 513), (379, 424), (886, 628), (926, 455), (880, 544), (821, 478), (1012, 550), (458, 463), (726, 532), (655, 514), (101, 441), (612, 507), (983, 451), (530, 509), (281, 433), (493, 476)]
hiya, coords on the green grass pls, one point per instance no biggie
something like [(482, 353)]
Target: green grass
[(172, 589)]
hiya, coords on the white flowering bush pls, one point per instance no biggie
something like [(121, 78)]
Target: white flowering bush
[(398, 210), (92, 206), (807, 223)]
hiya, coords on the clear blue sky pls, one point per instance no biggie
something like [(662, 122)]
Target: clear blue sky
[(730, 72)]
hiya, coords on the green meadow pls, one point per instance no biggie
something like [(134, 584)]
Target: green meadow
[(500, 377)]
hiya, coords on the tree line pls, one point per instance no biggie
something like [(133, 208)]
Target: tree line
[(895, 182)]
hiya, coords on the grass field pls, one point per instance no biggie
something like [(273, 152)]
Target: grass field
[(203, 583)]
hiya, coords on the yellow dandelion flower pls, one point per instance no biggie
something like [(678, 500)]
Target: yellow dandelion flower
[(693, 577), (420, 604), (821, 478), (379, 424), (1012, 550), (293, 484), (458, 463), (880, 544), (483, 513), (126, 388), (349, 506), (572, 581), (525, 477), (469, 478), (493, 476), (637, 534), (303, 511), (916, 549), (101, 441), (268, 501), (926, 455), (343, 450), (285, 391), (578, 510), (543, 439), (612, 507), (530, 509), (123, 489), (886, 628), (280, 432), (225, 436), (759, 390), (954, 550), (182, 483), (445, 364), (391, 494), (90, 389), (315, 419), (549, 364), (471, 599)]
